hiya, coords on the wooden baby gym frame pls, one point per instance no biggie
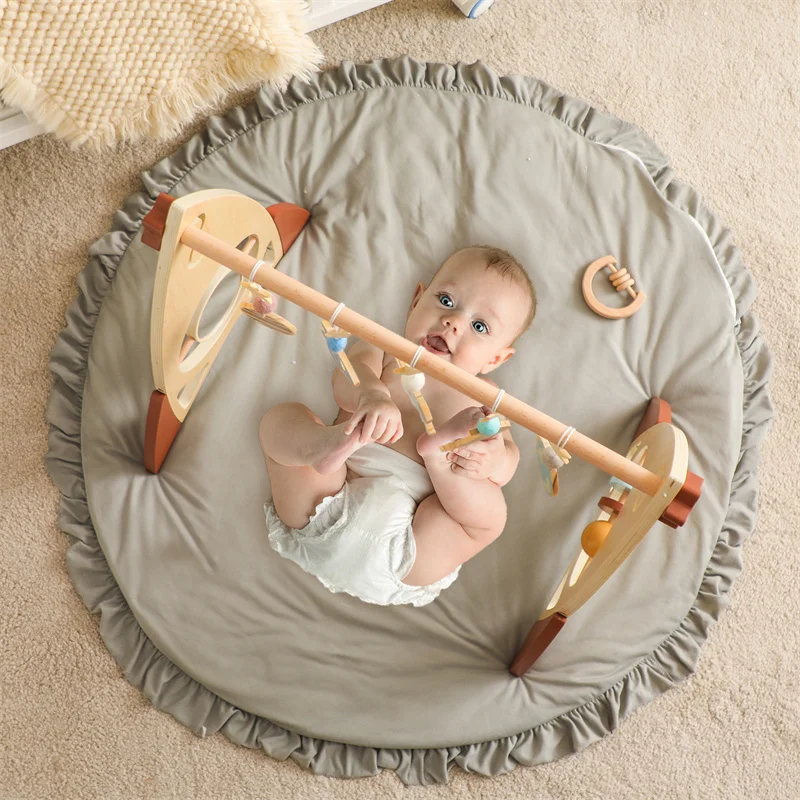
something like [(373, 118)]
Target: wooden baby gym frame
[(193, 235)]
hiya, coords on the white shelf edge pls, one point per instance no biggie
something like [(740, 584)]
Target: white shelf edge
[(326, 12), (15, 127)]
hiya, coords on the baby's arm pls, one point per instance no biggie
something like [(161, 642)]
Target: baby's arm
[(370, 401), (367, 362)]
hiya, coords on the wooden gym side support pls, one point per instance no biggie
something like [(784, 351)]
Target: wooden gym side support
[(631, 511), (185, 281)]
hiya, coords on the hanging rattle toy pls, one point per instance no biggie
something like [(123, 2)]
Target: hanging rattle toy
[(261, 308), (412, 381), (552, 458), (336, 340), (622, 282)]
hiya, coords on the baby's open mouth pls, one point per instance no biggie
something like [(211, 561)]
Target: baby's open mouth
[(436, 344)]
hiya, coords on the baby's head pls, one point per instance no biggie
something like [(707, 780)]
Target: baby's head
[(476, 306)]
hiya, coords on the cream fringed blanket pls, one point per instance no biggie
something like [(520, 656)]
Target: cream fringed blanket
[(94, 71)]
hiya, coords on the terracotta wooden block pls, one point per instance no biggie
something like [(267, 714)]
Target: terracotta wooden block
[(537, 641), (658, 411), (289, 220), (160, 431), (678, 510), (155, 221)]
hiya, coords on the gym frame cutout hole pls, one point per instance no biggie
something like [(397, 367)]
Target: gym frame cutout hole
[(220, 300), (249, 245), (194, 257), (220, 304), (188, 392)]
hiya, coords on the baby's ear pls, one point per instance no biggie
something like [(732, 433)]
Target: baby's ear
[(418, 292), (498, 360)]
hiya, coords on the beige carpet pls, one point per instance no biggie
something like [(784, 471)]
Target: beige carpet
[(717, 85)]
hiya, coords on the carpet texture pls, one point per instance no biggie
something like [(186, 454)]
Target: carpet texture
[(715, 86)]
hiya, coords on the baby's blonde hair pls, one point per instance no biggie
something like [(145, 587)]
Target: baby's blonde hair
[(502, 262)]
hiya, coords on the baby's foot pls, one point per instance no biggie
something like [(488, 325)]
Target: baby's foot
[(335, 447), (456, 427)]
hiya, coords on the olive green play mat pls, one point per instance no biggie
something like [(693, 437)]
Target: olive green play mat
[(400, 163)]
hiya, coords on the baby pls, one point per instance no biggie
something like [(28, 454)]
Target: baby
[(370, 505)]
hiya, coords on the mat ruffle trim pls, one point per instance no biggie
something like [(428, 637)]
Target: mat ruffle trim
[(167, 687)]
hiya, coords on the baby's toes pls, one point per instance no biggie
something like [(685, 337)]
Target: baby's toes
[(466, 420)]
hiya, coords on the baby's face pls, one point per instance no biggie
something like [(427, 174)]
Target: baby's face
[(469, 315)]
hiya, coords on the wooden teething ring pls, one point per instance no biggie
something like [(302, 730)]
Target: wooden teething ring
[(622, 282)]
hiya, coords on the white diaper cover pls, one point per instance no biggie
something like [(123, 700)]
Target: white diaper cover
[(360, 540)]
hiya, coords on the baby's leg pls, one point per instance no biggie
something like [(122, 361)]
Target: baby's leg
[(305, 459), (462, 517)]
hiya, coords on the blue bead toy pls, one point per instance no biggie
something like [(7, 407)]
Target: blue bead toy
[(337, 345), (489, 426), (616, 483)]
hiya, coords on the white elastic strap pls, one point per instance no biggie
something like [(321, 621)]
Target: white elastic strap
[(414, 360), (255, 269), (336, 313), (565, 437), (497, 400)]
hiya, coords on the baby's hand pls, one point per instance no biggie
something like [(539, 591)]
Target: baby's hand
[(478, 460), (383, 422)]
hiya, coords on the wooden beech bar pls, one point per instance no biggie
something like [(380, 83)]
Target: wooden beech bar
[(364, 328)]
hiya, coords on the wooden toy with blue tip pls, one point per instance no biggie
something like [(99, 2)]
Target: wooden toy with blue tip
[(336, 340), (486, 428)]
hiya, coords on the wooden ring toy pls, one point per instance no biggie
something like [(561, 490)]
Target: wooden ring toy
[(610, 506), (622, 282)]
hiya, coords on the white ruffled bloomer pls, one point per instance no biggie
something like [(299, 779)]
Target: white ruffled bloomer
[(360, 540)]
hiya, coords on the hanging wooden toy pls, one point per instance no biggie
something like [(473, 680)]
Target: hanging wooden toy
[(622, 282), (261, 308), (551, 459), (336, 339), (413, 381), (613, 502), (486, 427)]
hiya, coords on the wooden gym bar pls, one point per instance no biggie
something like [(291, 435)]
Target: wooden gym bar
[(364, 328)]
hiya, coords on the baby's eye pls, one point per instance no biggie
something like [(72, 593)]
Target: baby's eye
[(480, 326), (446, 300)]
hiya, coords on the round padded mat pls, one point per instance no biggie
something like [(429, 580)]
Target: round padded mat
[(401, 163)]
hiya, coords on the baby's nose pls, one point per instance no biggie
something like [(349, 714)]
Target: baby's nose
[(453, 321)]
